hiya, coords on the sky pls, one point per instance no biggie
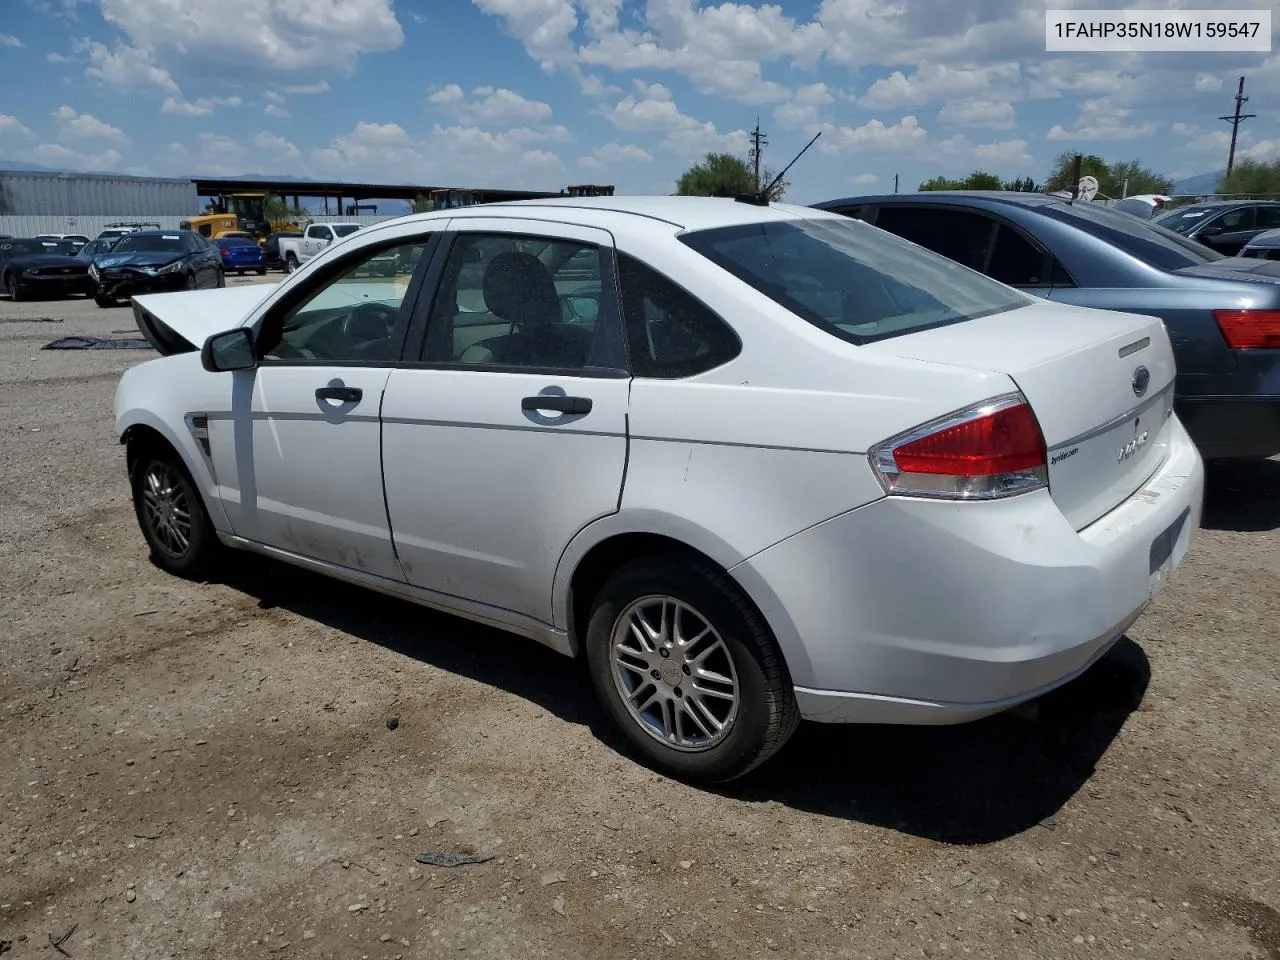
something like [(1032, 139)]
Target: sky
[(539, 94)]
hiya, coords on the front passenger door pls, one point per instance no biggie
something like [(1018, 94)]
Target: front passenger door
[(508, 434), (298, 456)]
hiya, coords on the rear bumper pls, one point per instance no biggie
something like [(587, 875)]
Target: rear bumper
[(1232, 426), (917, 611)]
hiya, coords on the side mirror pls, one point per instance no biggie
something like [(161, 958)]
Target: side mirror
[(229, 350)]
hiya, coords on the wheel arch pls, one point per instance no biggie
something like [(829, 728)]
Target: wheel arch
[(139, 430), (604, 546)]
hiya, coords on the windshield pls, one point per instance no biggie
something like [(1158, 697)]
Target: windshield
[(18, 248), (852, 280), (149, 243), (1185, 219), (1146, 240), (346, 229)]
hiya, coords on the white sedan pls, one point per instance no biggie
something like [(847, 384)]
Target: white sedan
[(755, 463)]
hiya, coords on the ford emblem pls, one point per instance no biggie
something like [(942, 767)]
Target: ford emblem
[(1141, 380)]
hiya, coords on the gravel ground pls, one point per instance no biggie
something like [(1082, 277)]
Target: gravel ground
[(208, 771)]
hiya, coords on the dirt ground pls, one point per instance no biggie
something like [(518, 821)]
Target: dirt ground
[(207, 770)]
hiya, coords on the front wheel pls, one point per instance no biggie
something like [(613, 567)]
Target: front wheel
[(262, 271), (171, 513), (290, 263), (191, 281), (689, 670), (15, 291), (104, 302)]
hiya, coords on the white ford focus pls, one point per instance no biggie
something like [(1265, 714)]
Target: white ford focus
[(756, 463)]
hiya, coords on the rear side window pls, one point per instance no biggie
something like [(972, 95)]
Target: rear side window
[(963, 237), (852, 280), (670, 334)]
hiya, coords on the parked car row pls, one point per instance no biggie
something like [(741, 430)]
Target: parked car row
[(115, 266)]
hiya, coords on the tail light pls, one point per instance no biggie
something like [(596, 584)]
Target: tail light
[(991, 450), (1249, 329), (226, 252)]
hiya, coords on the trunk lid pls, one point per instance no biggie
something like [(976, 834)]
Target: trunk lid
[(183, 321), (1105, 423)]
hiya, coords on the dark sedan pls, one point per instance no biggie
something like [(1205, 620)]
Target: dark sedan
[(1222, 313), (1225, 225), (41, 268), (241, 254), (153, 261)]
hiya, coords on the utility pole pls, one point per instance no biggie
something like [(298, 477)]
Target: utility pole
[(1234, 120), (895, 183), (758, 143)]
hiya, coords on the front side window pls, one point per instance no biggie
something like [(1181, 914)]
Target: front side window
[(516, 301), (853, 281), (318, 233), (669, 333), (1186, 219), (351, 318)]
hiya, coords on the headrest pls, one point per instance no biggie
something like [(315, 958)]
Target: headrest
[(518, 288)]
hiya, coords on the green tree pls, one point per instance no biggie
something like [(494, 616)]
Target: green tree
[(978, 180), (279, 210), (422, 203), (1141, 180), (724, 175), (1252, 178), (1091, 165), (1022, 185)]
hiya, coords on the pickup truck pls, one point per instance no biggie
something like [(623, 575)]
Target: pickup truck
[(295, 251)]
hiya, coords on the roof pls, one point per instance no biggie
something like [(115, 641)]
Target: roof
[(686, 213), (942, 196)]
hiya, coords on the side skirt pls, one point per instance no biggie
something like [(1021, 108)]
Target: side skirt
[(520, 624)]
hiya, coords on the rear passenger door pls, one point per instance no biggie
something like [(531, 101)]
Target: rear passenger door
[(505, 427), (980, 242)]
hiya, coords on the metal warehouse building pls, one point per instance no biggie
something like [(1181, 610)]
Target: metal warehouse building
[(39, 194)]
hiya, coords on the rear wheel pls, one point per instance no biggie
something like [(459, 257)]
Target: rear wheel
[(104, 301), (262, 271), (689, 670), (290, 263), (15, 291), (170, 512)]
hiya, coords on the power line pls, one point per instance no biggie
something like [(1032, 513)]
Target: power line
[(1235, 121), (758, 143)]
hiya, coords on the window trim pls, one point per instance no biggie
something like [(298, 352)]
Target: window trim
[(626, 339), (614, 345), (1050, 260), (328, 274)]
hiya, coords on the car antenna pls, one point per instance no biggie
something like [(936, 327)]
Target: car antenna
[(761, 199)]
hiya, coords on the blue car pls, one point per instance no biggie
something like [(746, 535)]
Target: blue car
[(1222, 313), (241, 254)]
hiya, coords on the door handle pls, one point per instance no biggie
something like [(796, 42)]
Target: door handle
[(553, 402), (345, 394)]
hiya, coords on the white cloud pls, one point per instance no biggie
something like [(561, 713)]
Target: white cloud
[(1264, 151), (272, 97), (906, 135), (592, 86), (803, 109), (9, 40), (1002, 154), (994, 114), (11, 126), (613, 154), (197, 108), (543, 26), (381, 134), (84, 126), (124, 68), (635, 115), (320, 86), (1102, 119), (64, 158), (863, 179), (1207, 83), (504, 106), (54, 57), (452, 93), (934, 81), (309, 37), (275, 146), (275, 110), (694, 142)]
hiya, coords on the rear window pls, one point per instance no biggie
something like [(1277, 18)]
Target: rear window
[(852, 280), (1147, 240)]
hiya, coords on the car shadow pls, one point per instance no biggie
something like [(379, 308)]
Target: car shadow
[(973, 783), (1242, 496)]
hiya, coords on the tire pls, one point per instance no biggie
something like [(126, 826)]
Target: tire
[(192, 283), (104, 302), (290, 263), (15, 291), (763, 713), (261, 271), (163, 495), (222, 278)]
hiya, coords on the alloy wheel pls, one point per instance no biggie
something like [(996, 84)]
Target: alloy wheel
[(674, 673), (166, 509)]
